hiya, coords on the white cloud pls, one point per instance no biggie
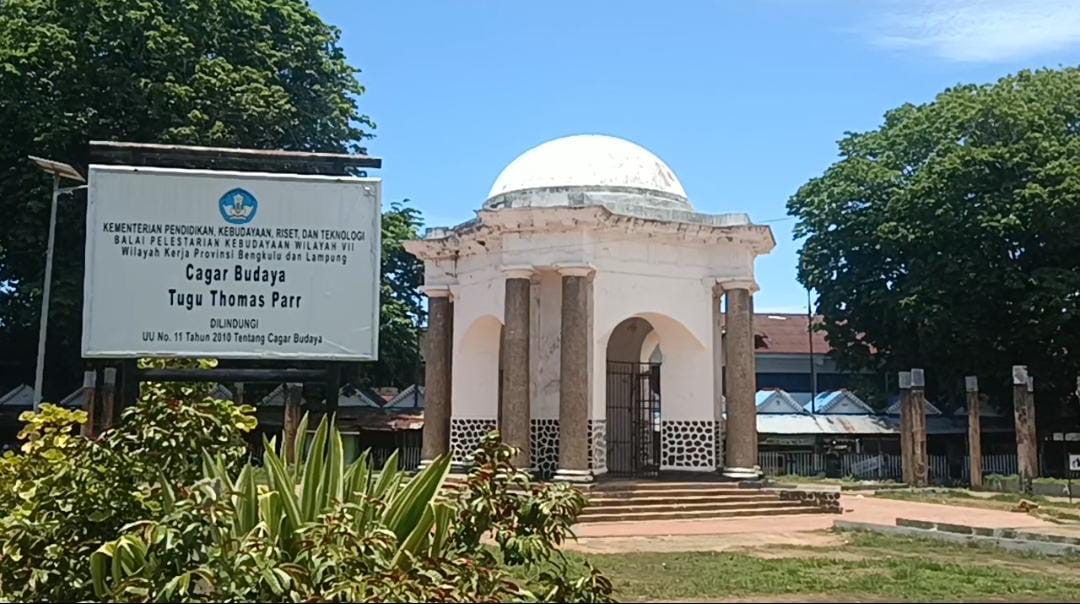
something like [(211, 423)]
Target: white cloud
[(978, 30)]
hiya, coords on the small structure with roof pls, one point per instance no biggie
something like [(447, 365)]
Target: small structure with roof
[(838, 402), (777, 401), (583, 308)]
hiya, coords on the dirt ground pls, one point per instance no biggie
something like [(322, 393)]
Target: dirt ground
[(703, 543), (857, 508)]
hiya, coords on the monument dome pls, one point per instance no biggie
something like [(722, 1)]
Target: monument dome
[(588, 169)]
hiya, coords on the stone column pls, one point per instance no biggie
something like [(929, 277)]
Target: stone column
[(1027, 457), (971, 387), (907, 442), (918, 428), (574, 387), (741, 442), (436, 434), (718, 374), (516, 416)]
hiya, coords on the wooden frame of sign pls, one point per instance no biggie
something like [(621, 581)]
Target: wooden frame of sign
[(115, 383)]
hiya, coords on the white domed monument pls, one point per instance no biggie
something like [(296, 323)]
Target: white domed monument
[(582, 313)]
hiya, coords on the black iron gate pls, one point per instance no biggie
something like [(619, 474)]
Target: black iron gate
[(633, 418)]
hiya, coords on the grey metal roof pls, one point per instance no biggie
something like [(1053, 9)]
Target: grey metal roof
[(866, 425)]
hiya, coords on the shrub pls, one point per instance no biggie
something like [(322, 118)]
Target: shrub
[(175, 422), (65, 495), (165, 508), (323, 531)]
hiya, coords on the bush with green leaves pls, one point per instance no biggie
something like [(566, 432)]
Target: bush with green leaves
[(86, 520), (325, 531), (175, 422)]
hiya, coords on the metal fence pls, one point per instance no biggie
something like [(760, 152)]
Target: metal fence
[(791, 464), (870, 466), (408, 457), (1002, 463)]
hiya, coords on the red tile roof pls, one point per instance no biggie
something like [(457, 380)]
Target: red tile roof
[(779, 333)]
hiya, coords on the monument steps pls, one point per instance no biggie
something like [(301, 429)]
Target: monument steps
[(653, 500), (699, 514), (630, 500)]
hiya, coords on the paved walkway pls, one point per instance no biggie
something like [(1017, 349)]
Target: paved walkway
[(773, 529)]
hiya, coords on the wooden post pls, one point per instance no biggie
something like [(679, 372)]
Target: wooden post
[(294, 399), (129, 386), (918, 431), (238, 397), (971, 386), (1027, 459), (333, 388), (108, 399), (89, 430), (907, 459)]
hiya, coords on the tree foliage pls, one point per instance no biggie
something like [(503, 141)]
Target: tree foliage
[(946, 239), (266, 74), (402, 311)]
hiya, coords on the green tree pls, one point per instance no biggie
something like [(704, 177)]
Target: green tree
[(263, 74), (946, 239), (402, 310)]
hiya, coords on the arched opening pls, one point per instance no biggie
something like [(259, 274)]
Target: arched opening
[(478, 368), (633, 399)]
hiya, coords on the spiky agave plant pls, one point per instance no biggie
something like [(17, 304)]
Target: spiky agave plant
[(278, 513)]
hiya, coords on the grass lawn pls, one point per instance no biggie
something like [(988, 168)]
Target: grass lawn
[(1055, 511), (840, 482), (867, 567)]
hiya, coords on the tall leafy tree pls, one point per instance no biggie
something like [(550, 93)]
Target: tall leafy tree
[(249, 73), (402, 311), (946, 238)]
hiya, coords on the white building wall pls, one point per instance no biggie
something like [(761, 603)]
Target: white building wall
[(478, 315), (664, 279), (676, 300)]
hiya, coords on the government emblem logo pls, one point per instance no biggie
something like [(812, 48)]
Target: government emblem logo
[(238, 206)]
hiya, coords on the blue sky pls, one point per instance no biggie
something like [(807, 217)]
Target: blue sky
[(744, 100)]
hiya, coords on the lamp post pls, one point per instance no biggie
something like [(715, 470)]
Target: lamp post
[(59, 171)]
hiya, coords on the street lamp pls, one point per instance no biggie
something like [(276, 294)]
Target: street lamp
[(59, 171)]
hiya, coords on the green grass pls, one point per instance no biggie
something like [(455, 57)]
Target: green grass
[(794, 479), (870, 566)]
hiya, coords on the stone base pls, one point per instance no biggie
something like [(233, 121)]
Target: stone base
[(575, 476), (743, 473)]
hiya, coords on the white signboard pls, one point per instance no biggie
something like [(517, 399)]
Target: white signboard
[(241, 265), (1074, 462)]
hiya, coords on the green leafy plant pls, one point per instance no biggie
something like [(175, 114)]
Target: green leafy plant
[(176, 422), (324, 531), (65, 495), (100, 520)]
